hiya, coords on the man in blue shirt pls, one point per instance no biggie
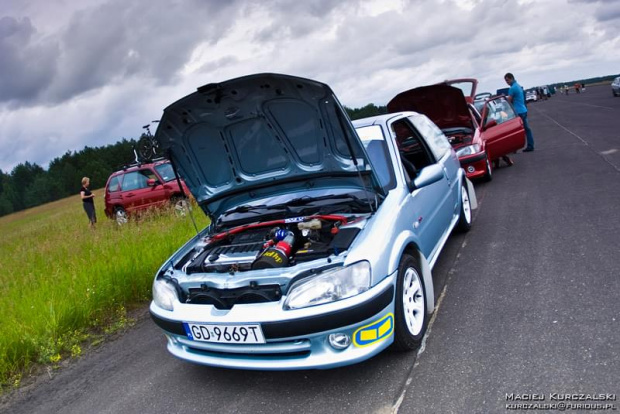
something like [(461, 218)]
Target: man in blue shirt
[(516, 96)]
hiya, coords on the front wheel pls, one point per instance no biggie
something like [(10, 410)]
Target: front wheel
[(488, 174), (411, 319), (465, 215)]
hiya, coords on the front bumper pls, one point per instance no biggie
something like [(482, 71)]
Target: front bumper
[(296, 339), (475, 165)]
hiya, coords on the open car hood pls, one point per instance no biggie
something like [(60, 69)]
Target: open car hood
[(259, 136), (443, 104)]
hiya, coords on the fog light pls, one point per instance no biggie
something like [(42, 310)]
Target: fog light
[(471, 169), (339, 340)]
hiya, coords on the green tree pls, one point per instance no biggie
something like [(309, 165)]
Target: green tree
[(366, 111), (22, 176)]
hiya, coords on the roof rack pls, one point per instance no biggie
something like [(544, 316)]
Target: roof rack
[(138, 163)]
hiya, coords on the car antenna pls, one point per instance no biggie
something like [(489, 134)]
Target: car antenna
[(176, 174), (350, 148)]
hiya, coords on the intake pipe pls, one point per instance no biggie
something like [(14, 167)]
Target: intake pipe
[(276, 256)]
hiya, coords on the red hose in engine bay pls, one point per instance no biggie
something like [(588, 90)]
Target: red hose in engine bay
[(333, 217)]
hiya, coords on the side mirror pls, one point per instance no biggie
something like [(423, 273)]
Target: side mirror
[(151, 182), (429, 175), (489, 124)]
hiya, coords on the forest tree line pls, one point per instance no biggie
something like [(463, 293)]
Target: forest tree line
[(29, 185)]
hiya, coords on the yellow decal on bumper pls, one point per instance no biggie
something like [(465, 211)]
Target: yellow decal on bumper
[(374, 332)]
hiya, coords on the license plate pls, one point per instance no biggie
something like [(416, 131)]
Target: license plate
[(226, 334)]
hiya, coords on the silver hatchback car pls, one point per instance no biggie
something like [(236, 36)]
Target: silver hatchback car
[(615, 86), (322, 239)]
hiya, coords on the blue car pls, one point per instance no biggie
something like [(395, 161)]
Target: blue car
[(323, 235)]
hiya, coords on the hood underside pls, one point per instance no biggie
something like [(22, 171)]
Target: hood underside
[(444, 105), (262, 135)]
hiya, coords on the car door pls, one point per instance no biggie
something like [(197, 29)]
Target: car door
[(431, 207), (136, 192), (157, 194), (502, 129)]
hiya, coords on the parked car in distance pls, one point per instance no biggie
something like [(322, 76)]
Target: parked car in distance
[(478, 138), (531, 96), (139, 187), (321, 243), (615, 86)]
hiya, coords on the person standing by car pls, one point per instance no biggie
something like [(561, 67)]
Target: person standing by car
[(516, 97), (87, 202)]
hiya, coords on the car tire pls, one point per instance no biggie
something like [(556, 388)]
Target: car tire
[(120, 216), (488, 174), (180, 205), (465, 216), (411, 319)]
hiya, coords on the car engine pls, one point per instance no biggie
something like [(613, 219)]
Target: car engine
[(271, 244)]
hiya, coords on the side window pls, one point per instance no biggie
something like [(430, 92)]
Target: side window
[(115, 184), (499, 110), (411, 145), (137, 179), (435, 138)]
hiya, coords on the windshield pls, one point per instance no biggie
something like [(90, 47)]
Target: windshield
[(467, 87), (374, 142), (166, 172)]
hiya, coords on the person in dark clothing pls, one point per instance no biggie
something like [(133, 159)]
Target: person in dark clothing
[(87, 201)]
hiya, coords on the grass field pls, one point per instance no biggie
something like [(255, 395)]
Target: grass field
[(63, 285)]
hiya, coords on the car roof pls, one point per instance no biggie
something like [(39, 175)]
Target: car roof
[(380, 119), (136, 167)]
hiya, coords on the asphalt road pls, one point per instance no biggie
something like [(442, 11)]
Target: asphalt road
[(529, 305)]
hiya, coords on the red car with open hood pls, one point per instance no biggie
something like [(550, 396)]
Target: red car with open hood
[(478, 138)]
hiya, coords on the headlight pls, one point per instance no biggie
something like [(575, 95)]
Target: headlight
[(468, 150), (164, 294), (329, 286)]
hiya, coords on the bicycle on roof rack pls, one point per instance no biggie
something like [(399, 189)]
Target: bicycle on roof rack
[(148, 147)]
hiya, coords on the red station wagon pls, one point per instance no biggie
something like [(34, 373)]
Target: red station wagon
[(139, 187), (479, 139)]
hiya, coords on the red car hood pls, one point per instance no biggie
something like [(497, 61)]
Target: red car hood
[(444, 105)]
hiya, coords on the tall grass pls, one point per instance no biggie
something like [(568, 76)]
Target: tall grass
[(61, 280)]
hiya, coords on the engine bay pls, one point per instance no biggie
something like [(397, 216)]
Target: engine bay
[(271, 244)]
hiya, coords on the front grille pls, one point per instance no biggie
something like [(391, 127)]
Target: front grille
[(299, 348), (227, 298), (253, 355)]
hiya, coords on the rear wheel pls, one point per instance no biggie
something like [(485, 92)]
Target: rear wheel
[(146, 148), (465, 216), (411, 319), (120, 216), (180, 206)]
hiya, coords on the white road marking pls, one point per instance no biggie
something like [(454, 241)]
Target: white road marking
[(564, 128)]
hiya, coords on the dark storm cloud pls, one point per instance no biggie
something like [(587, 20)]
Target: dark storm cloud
[(295, 19), (27, 66), (608, 12), (105, 45), (605, 10)]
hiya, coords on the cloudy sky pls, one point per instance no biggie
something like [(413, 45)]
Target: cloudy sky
[(90, 72)]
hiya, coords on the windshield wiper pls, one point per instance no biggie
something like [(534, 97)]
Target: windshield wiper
[(296, 202), (255, 209), (302, 201)]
